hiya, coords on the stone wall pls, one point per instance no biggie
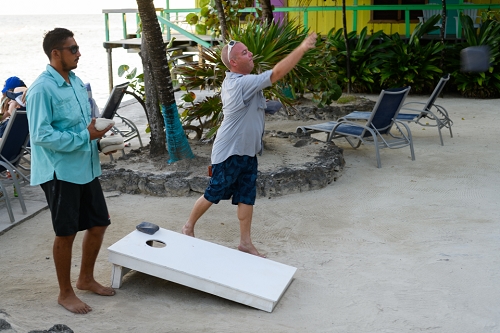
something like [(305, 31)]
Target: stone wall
[(326, 168)]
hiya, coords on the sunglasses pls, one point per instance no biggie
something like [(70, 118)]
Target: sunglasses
[(73, 48), (230, 47)]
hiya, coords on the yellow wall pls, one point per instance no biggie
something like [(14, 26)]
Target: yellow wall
[(322, 22)]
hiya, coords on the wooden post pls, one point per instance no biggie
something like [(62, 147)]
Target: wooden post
[(110, 68)]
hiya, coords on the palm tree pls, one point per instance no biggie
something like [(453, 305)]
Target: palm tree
[(222, 19), (178, 146), (347, 48), (157, 145), (443, 31), (267, 11)]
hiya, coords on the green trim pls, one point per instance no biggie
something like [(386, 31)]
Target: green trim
[(124, 25), (165, 16), (106, 26), (183, 32)]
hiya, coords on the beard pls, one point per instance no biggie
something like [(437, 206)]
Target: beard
[(68, 67)]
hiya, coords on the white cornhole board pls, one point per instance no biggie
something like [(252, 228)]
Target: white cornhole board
[(195, 263)]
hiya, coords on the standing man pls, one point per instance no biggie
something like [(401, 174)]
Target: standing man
[(239, 138), (65, 163)]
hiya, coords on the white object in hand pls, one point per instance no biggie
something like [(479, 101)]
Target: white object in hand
[(111, 143), (102, 123)]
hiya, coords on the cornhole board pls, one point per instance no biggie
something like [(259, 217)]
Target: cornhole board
[(198, 264)]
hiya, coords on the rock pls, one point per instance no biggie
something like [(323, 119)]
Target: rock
[(325, 168), (4, 325), (59, 328)]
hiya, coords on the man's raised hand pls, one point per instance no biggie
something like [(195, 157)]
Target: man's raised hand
[(309, 42)]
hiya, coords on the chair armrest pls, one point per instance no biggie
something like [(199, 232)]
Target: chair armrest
[(352, 123), (413, 103), (416, 110)]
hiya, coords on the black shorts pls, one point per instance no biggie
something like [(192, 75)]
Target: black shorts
[(75, 207)]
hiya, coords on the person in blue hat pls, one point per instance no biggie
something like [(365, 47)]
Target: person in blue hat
[(15, 102), (11, 83)]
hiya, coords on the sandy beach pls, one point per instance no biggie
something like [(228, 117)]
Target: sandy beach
[(411, 247)]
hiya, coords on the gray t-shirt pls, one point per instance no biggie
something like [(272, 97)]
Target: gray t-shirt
[(243, 105)]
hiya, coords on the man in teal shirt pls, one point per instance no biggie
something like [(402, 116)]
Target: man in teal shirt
[(65, 163)]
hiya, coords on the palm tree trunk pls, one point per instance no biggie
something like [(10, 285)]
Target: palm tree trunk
[(443, 31), (267, 11), (157, 145), (348, 50), (222, 19), (178, 146)]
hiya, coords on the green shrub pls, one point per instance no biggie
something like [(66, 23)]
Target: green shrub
[(364, 67), (269, 44), (479, 85), (410, 63)]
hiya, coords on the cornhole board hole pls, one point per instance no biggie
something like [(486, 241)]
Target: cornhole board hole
[(198, 264)]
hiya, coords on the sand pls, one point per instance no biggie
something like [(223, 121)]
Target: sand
[(411, 247)]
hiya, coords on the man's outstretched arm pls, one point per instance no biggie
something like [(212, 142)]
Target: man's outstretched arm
[(285, 65)]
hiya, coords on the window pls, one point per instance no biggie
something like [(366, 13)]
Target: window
[(396, 15)]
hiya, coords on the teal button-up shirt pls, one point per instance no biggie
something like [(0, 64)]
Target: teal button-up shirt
[(58, 116)]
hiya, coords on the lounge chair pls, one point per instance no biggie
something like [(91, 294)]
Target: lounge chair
[(12, 148), (436, 114), (4, 196), (110, 111), (376, 130), (13, 145)]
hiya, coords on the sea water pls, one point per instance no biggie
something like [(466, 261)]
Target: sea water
[(21, 51)]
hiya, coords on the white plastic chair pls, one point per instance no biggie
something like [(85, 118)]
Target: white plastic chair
[(472, 13), (428, 13)]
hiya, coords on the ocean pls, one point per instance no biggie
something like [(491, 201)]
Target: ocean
[(21, 52)]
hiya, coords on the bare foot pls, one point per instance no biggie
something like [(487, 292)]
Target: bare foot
[(188, 231), (74, 304), (95, 287), (250, 249)]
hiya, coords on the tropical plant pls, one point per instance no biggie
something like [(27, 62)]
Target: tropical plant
[(486, 84), (136, 85), (206, 74), (136, 80), (365, 67), (490, 15), (207, 20), (410, 63), (269, 44)]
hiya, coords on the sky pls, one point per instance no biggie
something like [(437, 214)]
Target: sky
[(44, 7)]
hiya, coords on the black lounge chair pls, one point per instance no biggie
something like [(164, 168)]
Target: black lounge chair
[(110, 112), (12, 149), (436, 114), (376, 130)]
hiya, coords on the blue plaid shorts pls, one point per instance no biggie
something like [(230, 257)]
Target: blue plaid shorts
[(235, 177)]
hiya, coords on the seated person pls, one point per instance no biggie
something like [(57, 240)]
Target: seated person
[(15, 102), (10, 84)]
